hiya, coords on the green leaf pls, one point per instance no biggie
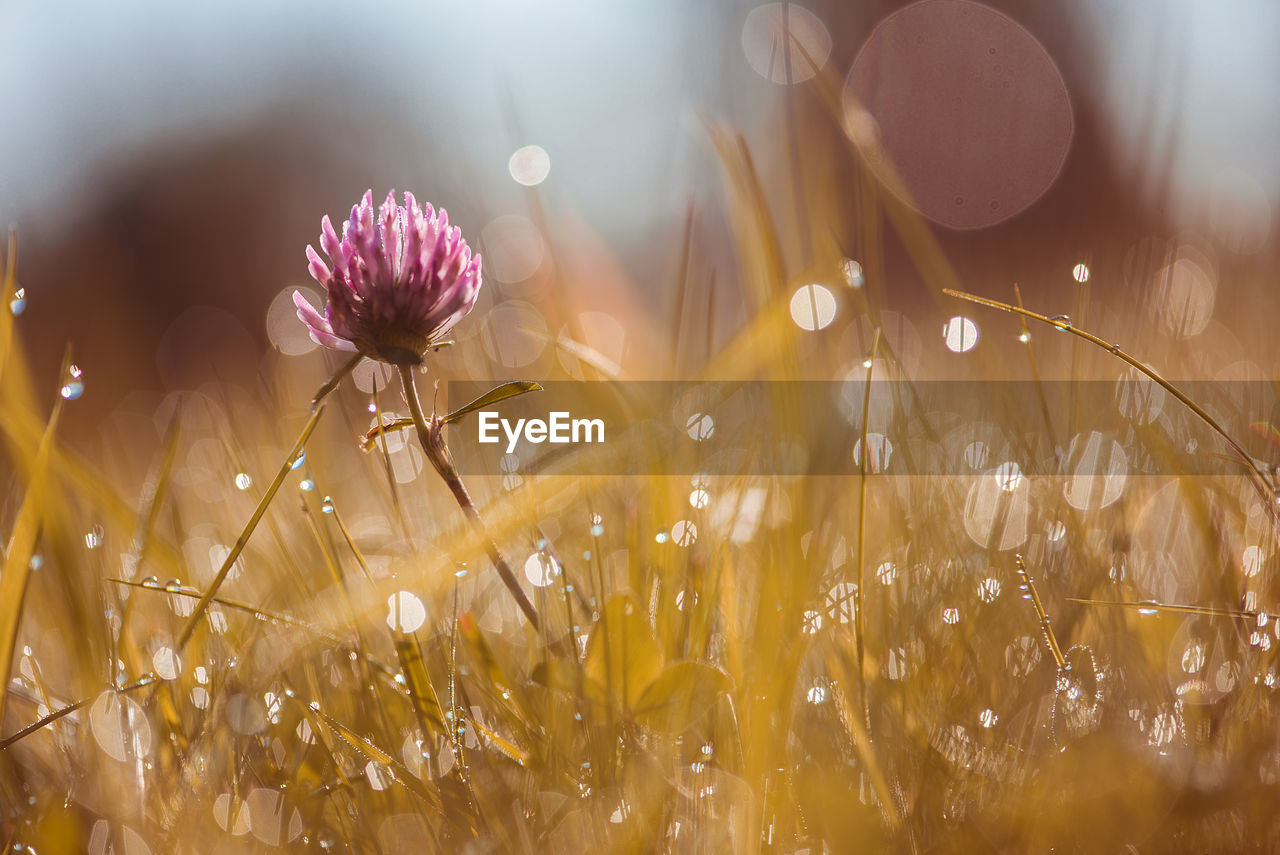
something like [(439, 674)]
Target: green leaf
[(622, 655), (681, 694), (493, 396)]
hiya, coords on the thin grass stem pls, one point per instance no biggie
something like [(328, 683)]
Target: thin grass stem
[(431, 437)]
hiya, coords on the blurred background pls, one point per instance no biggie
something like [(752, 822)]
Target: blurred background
[(166, 165), (660, 190)]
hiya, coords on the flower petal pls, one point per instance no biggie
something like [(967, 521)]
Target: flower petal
[(317, 268), (332, 342)]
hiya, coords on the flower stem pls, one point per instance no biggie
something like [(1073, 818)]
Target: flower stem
[(431, 436)]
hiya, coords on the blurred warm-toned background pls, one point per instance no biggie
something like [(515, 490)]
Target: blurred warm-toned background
[(166, 165), (660, 190)]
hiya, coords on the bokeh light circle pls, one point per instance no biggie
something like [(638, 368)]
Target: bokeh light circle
[(529, 165), (961, 109), (813, 307), (765, 43)]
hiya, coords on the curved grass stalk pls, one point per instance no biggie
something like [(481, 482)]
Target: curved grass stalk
[(285, 468), (1152, 607), (1265, 488)]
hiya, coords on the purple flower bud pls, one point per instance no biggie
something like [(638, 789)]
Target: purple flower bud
[(399, 281)]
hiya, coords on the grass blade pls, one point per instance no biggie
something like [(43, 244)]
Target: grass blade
[(22, 543), (197, 613)]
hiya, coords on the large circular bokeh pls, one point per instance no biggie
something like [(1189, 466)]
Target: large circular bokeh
[(967, 107)]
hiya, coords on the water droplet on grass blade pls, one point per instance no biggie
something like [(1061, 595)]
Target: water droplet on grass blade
[(18, 304)]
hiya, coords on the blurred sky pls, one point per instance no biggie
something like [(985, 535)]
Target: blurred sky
[(607, 87)]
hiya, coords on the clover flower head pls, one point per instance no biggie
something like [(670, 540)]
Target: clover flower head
[(397, 281)]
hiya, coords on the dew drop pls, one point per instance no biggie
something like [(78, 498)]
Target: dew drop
[(151, 582), (307, 485), (243, 481), (299, 460), (327, 505), (18, 304), (173, 586), (93, 537), (36, 562), (1062, 322), (597, 530)]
